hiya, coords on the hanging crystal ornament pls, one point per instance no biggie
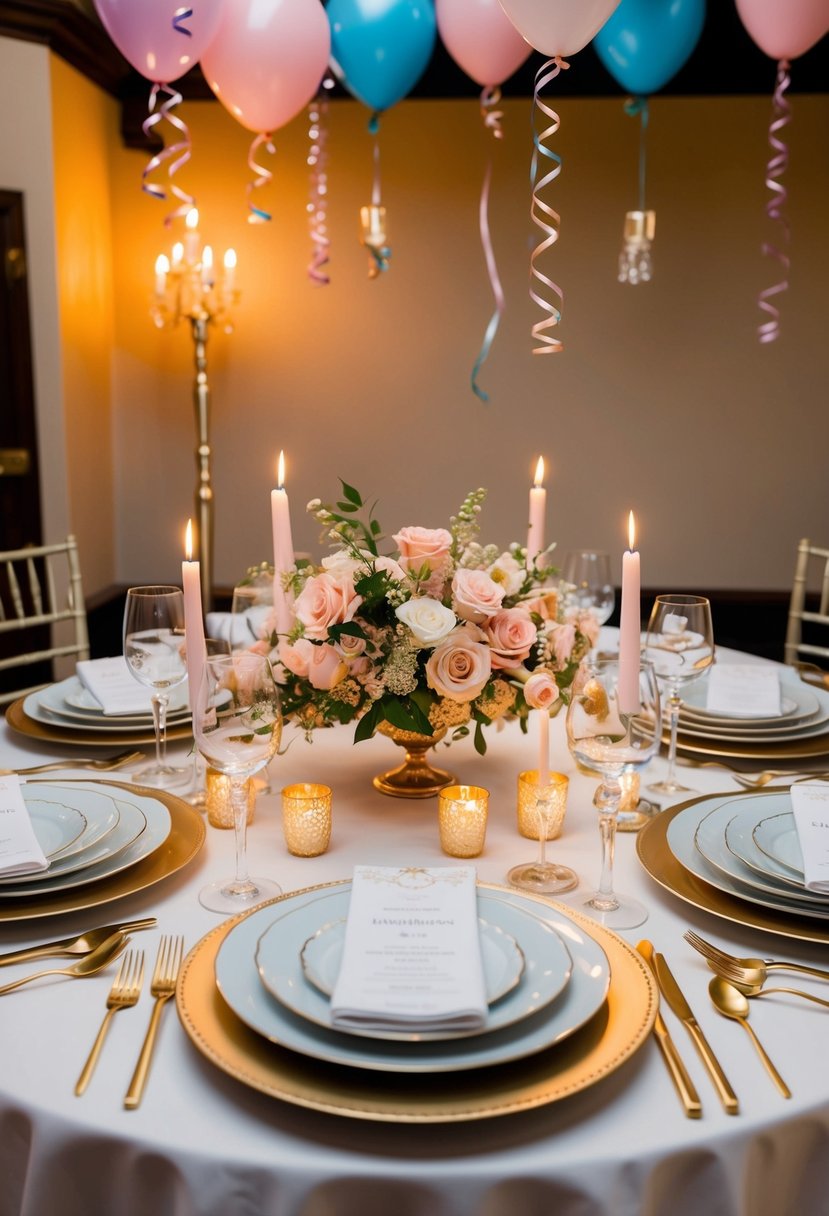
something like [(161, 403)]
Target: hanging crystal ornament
[(635, 262)]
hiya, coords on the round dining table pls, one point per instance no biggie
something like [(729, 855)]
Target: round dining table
[(203, 1143)]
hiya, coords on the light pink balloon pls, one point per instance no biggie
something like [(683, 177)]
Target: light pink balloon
[(785, 29), (559, 27), (267, 59), (481, 39), (144, 33)]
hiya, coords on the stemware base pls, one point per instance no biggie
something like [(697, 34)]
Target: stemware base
[(636, 818), (547, 879), (162, 776), (618, 912), (670, 787), (233, 897)]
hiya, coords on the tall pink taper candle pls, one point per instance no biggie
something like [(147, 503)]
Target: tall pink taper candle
[(543, 746), (538, 508), (194, 646), (629, 628), (283, 549)]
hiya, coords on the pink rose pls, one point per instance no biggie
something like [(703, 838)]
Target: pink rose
[(545, 606), (541, 690), (326, 668), (511, 636), (563, 640), (460, 666), (297, 658), (475, 595), (423, 547), (326, 599), (350, 647), (587, 626)]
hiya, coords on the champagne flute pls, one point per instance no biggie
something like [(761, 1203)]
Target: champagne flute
[(589, 585), (154, 651), (611, 742), (680, 644), (237, 724), (548, 799)]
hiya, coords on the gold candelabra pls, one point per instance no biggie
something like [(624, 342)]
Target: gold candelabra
[(187, 289)]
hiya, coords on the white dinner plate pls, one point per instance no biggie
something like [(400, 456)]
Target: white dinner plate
[(776, 837), (77, 696), (779, 734), (710, 717), (56, 827), (240, 986), (98, 810), (545, 974), (48, 707), (797, 701), (745, 864), (142, 817), (682, 842)]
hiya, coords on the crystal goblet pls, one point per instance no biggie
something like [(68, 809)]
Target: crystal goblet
[(154, 652)]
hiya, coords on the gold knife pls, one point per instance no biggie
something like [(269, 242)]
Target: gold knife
[(671, 991), (679, 1074)]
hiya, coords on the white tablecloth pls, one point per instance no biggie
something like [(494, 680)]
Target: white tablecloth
[(201, 1143)]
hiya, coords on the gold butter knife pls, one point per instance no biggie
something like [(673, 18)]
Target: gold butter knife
[(679, 1074), (673, 995)]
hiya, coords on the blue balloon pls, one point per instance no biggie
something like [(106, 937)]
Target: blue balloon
[(381, 48), (645, 42)]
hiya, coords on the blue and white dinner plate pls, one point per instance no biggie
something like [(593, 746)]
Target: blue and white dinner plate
[(239, 983), (547, 965), (797, 703), (776, 837), (51, 801)]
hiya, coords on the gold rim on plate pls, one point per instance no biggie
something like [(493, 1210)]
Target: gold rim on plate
[(187, 833), (608, 1040), (816, 745), (20, 721), (655, 855)]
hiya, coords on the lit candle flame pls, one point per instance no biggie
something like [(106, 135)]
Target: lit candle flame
[(230, 259), (188, 541), (539, 472), (631, 531), (191, 220), (178, 252), (162, 264), (280, 471), (207, 258)]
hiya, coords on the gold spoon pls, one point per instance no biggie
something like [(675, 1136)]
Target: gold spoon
[(753, 990), (88, 965), (731, 1003)]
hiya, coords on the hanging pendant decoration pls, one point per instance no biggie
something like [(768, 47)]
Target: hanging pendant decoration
[(373, 217), (548, 296), (769, 330), (635, 265), (176, 154), (317, 205)]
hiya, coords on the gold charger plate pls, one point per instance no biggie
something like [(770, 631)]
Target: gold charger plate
[(655, 855), (798, 749), (187, 833), (20, 721), (609, 1039)]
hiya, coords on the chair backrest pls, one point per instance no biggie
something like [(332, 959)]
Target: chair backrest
[(40, 586), (808, 572)]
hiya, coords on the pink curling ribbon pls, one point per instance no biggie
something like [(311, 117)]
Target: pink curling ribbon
[(490, 98), (769, 331), (179, 17), (263, 176), (540, 209), (318, 197), (177, 154)]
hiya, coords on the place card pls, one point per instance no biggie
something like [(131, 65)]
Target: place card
[(20, 852), (744, 691), (810, 805), (412, 957)]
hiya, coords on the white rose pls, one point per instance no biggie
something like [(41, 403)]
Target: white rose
[(509, 572), (429, 620)]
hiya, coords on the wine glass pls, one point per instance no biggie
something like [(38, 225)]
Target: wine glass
[(590, 588), (680, 644), (198, 794), (251, 613), (613, 737), (237, 724), (154, 651), (546, 801)]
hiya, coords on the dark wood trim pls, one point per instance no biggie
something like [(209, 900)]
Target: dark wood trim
[(70, 34)]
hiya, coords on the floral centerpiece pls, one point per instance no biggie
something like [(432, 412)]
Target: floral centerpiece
[(445, 634)]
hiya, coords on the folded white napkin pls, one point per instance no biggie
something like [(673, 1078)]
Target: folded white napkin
[(810, 805), (240, 628), (20, 852), (744, 691), (117, 691), (412, 956)]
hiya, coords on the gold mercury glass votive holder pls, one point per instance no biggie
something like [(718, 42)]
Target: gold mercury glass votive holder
[(306, 818), (528, 818), (218, 802), (462, 813)]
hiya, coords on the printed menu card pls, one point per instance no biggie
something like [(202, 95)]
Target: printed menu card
[(810, 805), (20, 852), (412, 957)]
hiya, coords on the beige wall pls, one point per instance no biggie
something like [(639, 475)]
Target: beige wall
[(663, 399)]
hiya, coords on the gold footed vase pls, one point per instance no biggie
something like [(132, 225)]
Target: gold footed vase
[(415, 777)]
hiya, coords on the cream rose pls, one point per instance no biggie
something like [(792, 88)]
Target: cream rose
[(508, 572), (511, 636), (428, 619), (423, 547), (297, 657), (541, 690), (460, 666), (326, 599), (475, 596), (326, 667)]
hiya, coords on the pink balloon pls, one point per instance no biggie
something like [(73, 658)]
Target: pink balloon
[(267, 59), (156, 36), (481, 39), (558, 27), (785, 29)]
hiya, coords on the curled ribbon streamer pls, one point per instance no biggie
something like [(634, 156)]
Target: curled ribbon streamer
[(179, 17), (263, 176), (179, 152), (379, 252), (549, 344), (769, 331), (490, 97), (318, 195)]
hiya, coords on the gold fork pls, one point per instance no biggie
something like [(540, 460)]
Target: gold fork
[(162, 987), (125, 991), (98, 765), (749, 971)]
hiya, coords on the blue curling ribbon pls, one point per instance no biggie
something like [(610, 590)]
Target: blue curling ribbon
[(179, 17)]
